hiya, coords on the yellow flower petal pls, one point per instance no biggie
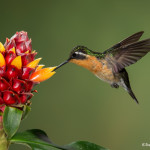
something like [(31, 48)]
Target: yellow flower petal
[(33, 52), (2, 60), (13, 50), (33, 63), (39, 67), (51, 68), (2, 49), (27, 52), (43, 74), (17, 62)]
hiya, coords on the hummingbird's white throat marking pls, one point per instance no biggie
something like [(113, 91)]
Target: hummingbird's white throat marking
[(80, 53)]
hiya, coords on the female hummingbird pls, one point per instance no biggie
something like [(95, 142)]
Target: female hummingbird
[(109, 66)]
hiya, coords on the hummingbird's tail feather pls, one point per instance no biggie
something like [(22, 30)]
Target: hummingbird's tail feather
[(132, 94), (125, 83)]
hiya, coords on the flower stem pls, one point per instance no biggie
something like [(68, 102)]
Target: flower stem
[(4, 144)]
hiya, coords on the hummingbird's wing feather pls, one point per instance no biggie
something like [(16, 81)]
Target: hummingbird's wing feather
[(126, 55), (131, 39)]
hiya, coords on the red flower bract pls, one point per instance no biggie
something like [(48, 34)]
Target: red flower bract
[(19, 72)]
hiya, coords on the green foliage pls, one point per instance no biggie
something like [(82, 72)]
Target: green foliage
[(26, 111), (11, 120), (35, 138), (84, 145), (38, 140)]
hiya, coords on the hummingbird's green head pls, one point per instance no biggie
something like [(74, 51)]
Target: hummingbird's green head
[(82, 52), (79, 52)]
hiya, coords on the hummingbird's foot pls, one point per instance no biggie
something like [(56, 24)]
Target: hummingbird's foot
[(115, 85)]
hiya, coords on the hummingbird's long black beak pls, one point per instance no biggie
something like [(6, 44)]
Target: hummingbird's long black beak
[(61, 65)]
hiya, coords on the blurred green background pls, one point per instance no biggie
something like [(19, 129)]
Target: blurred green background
[(74, 104)]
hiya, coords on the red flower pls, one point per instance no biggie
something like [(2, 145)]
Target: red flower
[(19, 70)]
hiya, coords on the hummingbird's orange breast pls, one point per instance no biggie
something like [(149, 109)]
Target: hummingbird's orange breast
[(91, 63), (99, 67)]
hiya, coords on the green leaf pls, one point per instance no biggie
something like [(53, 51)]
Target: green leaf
[(36, 139), (84, 145), (11, 120), (26, 111)]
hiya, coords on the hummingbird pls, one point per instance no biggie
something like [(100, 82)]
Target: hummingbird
[(109, 65)]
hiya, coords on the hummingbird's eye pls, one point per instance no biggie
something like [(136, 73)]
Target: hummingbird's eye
[(74, 55), (78, 55)]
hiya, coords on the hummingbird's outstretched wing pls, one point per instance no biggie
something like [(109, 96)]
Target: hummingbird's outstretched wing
[(124, 55), (131, 39)]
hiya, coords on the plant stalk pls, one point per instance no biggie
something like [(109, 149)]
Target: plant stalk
[(4, 144)]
